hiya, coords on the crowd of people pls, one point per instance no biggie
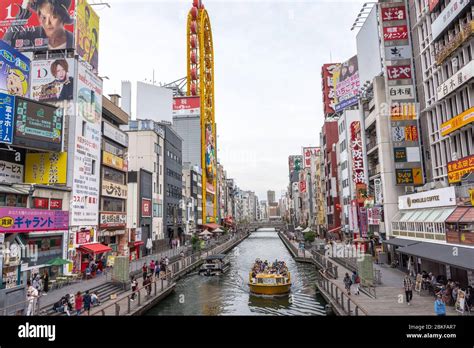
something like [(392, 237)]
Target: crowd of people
[(277, 267), (77, 304)]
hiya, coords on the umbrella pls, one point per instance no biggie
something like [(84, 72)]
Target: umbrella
[(217, 230), (299, 228), (307, 229), (205, 233), (58, 262)]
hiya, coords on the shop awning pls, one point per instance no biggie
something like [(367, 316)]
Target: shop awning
[(14, 190), (212, 226), (441, 253), (461, 214), (95, 248), (436, 215), (400, 242)]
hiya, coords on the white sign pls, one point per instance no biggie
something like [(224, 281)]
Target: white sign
[(86, 176), (450, 12), (378, 191), (401, 92), (11, 172), (112, 189), (398, 52), (115, 134), (430, 199), (459, 78)]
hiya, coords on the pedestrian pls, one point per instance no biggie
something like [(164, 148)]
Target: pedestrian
[(95, 299), (439, 306), (45, 282), (355, 282), (31, 296), (144, 270), (78, 303), (408, 285), (134, 288), (157, 270), (347, 282), (152, 267), (146, 281), (87, 303)]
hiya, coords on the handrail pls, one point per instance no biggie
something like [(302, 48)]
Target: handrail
[(329, 288)]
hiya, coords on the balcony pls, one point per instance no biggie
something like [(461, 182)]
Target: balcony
[(371, 144)]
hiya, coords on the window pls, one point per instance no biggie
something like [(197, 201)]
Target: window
[(84, 123), (114, 175), (93, 167), (114, 149), (113, 204), (11, 200)]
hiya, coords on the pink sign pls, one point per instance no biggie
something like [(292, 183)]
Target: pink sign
[(13, 219)]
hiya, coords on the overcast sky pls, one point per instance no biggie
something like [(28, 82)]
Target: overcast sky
[(268, 57)]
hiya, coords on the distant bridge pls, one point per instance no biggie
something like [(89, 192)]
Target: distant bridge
[(277, 224)]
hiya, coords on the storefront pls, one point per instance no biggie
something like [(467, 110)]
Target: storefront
[(112, 232), (93, 252), (460, 226), (134, 248)]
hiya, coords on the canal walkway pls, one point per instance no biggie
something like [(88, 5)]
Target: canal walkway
[(389, 296)]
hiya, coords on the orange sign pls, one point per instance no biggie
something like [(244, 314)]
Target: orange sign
[(457, 169), (402, 111), (114, 161), (457, 122)]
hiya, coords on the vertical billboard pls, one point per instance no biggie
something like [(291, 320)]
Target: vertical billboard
[(14, 71), (347, 84), (7, 116), (52, 79), (329, 90), (309, 153), (87, 34), (25, 25), (403, 111), (86, 147), (295, 164), (358, 173)]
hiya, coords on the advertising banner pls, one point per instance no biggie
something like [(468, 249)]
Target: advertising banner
[(378, 194), (112, 189), (399, 32), (14, 220), (457, 169), (86, 147), (467, 117), (14, 71), (348, 84), (84, 237), (113, 220), (52, 79), (429, 199), (329, 90), (7, 116), (459, 78), (46, 168), (308, 154), (401, 92), (22, 27), (363, 223), (186, 106), (405, 133), (398, 52), (115, 134), (113, 161), (393, 13), (450, 12), (374, 215), (40, 203), (146, 207), (358, 174), (295, 163), (407, 154), (399, 72), (38, 125), (302, 186), (87, 33), (11, 173), (55, 204), (410, 176)]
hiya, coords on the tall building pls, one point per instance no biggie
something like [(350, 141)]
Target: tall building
[(270, 196), (192, 197)]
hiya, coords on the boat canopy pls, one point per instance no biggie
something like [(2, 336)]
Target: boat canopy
[(216, 257)]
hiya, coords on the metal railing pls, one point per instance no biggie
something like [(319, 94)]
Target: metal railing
[(339, 296), (326, 265)]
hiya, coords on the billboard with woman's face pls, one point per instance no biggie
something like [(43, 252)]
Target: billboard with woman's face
[(87, 33), (31, 25)]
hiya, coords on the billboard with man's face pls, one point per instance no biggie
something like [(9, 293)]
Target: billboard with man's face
[(52, 79), (87, 33), (37, 24)]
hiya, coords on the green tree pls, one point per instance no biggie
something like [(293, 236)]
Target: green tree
[(309, 237)]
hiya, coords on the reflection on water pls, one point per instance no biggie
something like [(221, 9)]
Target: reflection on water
[(229, 294)]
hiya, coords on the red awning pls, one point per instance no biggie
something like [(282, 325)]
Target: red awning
[(458, 214), (95, 248), (212, 226), (137, 243)]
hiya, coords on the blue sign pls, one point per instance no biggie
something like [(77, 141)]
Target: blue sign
[(14, 71), (7, 114)]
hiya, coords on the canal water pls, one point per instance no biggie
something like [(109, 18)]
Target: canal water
[(229, 294)]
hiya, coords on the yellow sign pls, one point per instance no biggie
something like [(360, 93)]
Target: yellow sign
[(46, 168), (403, 111), (113, 161), (471, 192), (87, 33), (6, 222), (457, 169), (457, 122)]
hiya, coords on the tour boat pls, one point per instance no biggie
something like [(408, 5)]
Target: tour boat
[(266, 279), (215, 265)]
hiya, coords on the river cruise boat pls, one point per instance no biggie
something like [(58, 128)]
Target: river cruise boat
[(272, 280), (215, 265)]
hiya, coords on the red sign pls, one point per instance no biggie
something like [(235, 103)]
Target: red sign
[(84, 237), (146, 207), (329, 92), (308, 153), (358, 175), (399, 32), (302, 186), (188, 104), (395, 13), (432, 4), (55, 204), (399, 72), (40, 203)]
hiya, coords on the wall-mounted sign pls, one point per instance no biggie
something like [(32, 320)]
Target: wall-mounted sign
[(188, 106), (450, 85), (399, 32), (14, 219), (394, 13), (115, 134), (46, 168), (409, 176), (429, 199), (41, 203), (7, 115), (114, 161), (467, 117), (112, 189), (113, 220), (358, 173), (146, 207), (403, 112), (406, 154), (84, 237), (55, 204), (308, 154), (401, 92), (457, 169), (450, 12), (374, 215), (405, 133), (52, 79), (329, 90), (378, 195), (11, 173), (398, 72), (303, 186), (398, 52)]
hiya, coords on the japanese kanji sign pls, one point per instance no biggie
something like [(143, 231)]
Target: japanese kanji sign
[(399, 72), (308, 154), (401, 92), (7, 114), (395, 13), (13, 219), (457, 169), (458, 79), (399, 32), (358, 175)]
